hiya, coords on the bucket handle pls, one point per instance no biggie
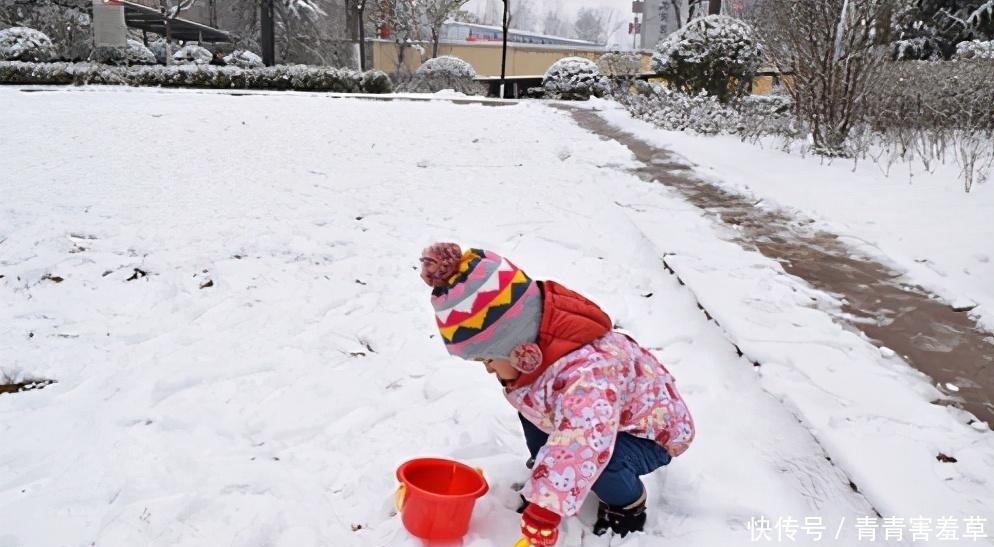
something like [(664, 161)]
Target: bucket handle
[(399, 497)]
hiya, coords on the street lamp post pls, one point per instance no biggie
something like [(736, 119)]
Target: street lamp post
[(268, 33), (503, 50)]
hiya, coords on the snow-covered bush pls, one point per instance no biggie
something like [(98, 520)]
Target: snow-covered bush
[(771, 114), (25, 44), (916, 48), (446, 66), (66, 23), (574, 78), (445, 72), (295, 77), (923, 109), (244, 58), (676, 111), (193, 54), (135, 53), (376, 81), (716, 54), (158, 48), (975, 49), (620, 63), (748, 117), (340, 80), (620, 68), (933, 95)]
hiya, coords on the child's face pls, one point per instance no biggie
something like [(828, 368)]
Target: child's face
[(501, 367)]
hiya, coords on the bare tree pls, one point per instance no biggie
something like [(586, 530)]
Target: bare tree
[(492, 13), (464, 16), (553, 24), (698, 8), (307, 31), (829, 48), (595, 25), (436, 12), (405, 19), (171, 11)]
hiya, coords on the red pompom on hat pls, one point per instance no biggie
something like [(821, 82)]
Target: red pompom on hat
[(439, 262)]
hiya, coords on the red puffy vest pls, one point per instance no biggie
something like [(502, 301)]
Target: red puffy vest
[(569, 322)]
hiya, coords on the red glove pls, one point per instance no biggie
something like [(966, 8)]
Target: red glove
[(540, 526)]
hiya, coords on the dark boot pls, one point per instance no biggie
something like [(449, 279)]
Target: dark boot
[(621, 520)]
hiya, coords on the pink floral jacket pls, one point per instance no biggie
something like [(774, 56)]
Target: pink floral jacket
[(583, 401)]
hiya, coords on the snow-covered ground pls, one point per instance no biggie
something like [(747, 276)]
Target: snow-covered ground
[(225, 289)]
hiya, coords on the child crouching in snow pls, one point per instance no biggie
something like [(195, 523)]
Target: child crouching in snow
[(598, 410)]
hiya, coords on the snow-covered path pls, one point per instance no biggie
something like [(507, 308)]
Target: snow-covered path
[(272, 405)]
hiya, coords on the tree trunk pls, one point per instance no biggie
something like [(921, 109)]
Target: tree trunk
[(714, 7)]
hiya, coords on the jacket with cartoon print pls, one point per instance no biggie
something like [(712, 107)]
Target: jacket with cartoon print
[(594, 383)]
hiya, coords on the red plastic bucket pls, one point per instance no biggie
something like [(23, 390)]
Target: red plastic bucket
[(436, 497)]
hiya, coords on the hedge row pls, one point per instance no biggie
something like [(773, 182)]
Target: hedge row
[(956, 94), (284, 77)]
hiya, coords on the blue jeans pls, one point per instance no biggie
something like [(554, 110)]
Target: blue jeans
[(619, 483)]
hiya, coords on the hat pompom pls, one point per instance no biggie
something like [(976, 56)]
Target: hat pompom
[(439, 262), (526, 357)]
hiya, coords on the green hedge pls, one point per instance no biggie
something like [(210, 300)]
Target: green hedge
[(283, 77)]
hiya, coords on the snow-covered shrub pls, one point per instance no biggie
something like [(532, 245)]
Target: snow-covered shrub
[(135, 53), (716, 54), (193, 54), (244, 58), (67, 24), (620, 63), (620, 68), (762, 115), (676, 111), (446, 66), (928, 110), (975, 49), (158, 48), (25, 44), (934, 95), (574, 78), (340, 80), (917, 48), (445, 72), (295, 77), (376, 81), (748, 117)]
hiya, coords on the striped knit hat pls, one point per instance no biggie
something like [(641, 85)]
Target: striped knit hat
[(485, 306)]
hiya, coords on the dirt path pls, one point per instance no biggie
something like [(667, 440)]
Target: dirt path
[(938, 340)]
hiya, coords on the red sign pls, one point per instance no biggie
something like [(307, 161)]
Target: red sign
[(635, 28)]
